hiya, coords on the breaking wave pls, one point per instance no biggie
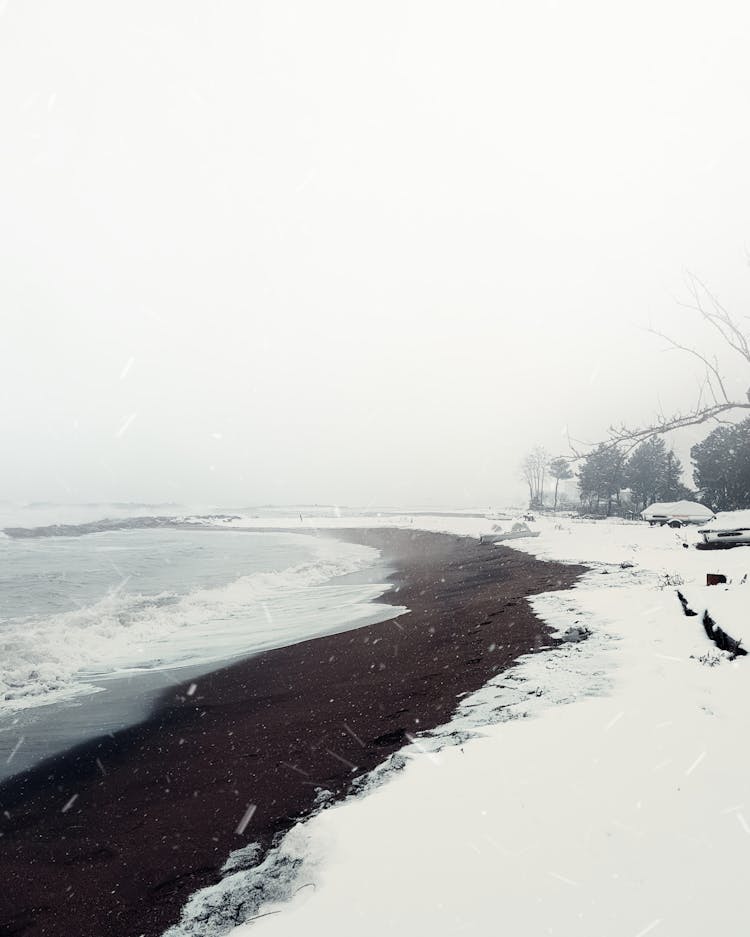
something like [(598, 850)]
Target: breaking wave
[(47, 657)]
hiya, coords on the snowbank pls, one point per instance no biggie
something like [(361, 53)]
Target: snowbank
[(624, 812), (727, 605)]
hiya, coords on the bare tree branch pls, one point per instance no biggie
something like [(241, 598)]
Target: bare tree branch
[(711, 367), (714, 402)]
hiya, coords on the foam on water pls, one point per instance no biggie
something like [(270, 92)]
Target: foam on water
[(179, 598)]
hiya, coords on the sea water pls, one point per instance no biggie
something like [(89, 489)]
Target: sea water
[(79, 614)]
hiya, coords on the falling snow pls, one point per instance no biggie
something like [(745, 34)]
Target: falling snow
[(582, 793)]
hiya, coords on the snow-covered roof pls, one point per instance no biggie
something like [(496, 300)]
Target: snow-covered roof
[(680, 509)]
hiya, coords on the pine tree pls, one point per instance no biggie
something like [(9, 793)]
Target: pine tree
[(560, 470), (646, 470), (654, 473), (721, 467), (600, 477)]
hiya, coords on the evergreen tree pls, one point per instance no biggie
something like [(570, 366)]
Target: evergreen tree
[(654, 473), (674, 489), (645, 471), (600, 478), (560, 470), (721, 467)]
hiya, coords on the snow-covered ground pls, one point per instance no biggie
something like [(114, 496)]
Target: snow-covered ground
[(601, 788)]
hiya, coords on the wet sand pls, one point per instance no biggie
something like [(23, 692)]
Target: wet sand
[(112, 837), (41, 732)]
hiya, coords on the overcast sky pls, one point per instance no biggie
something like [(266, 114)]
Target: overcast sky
[(360, 253)]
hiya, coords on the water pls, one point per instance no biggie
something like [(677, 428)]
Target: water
[(121, 614)]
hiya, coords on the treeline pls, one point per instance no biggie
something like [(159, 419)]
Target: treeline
[(721, 467), (611, 481)]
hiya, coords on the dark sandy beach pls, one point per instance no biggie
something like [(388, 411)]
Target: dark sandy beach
[(112, 837)]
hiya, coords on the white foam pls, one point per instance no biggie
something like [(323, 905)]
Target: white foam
[(51, 657)]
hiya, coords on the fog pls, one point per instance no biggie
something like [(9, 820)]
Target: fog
[(355, 253)]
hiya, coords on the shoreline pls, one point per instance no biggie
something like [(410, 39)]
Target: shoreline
[(122, 700), (113, 836)]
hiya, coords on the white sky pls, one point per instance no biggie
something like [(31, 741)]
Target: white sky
[(348, 252)]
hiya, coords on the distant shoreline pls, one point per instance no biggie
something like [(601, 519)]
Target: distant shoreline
[(113, 836), (189, 522)]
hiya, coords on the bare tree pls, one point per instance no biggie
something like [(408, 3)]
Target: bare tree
[(533, 472), (714, 401), (528, 475)]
